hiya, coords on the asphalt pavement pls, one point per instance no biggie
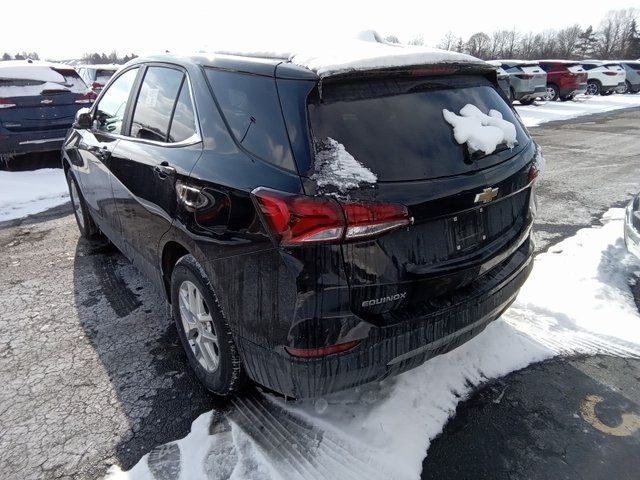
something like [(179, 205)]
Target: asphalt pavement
[(92, 372)]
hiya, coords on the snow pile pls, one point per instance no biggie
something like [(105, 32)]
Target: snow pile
[(335, 167), (366, 51), (542, 112), (383, 430), (26, 193), (479, 131)]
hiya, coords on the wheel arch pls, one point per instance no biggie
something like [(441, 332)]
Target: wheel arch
[(172, 251)]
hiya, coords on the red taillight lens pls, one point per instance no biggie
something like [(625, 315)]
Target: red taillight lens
[(96, 87), (611, 74), (367, 219), (88, 97), (524, 76), (322, 351), (6, 103), (300, 219)]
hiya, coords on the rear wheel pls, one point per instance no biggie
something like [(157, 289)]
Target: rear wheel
[(593, 87), (204, 333), (552, 93), (86, 225)]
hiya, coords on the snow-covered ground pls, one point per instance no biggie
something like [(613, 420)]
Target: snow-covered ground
[(383, 430), (26, 193), (542, 112)]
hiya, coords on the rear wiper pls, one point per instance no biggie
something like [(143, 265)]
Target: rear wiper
[(479, 154)]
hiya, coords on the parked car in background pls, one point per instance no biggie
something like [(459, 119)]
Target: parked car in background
[(604, 77), (565, 79), (632, 71), (504, 82), (222, 186), (96, 76), (38, 103), (632, 226), (527, 80)]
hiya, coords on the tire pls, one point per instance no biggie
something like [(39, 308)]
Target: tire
[(627, 87), (593, 87), (566, 98), (86, 225), (607, 93), (197, 314), (552, 94), (529, 101)]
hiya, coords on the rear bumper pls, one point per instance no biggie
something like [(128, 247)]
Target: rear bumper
[(16, 143), (393, 349), (537, 92)]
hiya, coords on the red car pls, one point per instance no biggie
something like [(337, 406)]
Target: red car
[(565, 79)]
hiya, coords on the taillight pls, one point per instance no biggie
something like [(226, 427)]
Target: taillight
[(95, 86), (88, 97), (6, 103), (300, 219), (321, 351), (611, 74), (534, 171), (524, 76)]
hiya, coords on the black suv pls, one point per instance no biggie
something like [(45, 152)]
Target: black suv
[(310, 233)]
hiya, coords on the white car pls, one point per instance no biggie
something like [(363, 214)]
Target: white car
[(632, 226), (604, 77)]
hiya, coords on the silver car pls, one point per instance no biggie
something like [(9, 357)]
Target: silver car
[(632, 68), (632, 226), (527, 80)]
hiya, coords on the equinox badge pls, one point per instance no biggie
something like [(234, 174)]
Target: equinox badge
[(486, 196), (378, 301)]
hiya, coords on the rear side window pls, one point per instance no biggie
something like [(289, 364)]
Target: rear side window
[(183, 124), (103, 76), (396, 128), (110, 111), (157, 97), (251, 107), (72, 80)]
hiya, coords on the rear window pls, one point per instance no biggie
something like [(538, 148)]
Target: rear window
[(396, 128), (103, 76), (251, 108), (28, 81), (576, 69)]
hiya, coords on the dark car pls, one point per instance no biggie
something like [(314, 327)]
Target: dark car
[(38, 103), (310, 235), (96, 76), (565, 79)]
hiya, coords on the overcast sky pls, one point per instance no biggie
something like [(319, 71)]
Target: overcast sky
[(70, 28)]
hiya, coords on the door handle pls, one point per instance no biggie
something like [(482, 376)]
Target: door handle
[(102, 153), (164, 170)]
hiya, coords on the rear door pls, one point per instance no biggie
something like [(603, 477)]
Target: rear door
[(467, 209), (160, 147)]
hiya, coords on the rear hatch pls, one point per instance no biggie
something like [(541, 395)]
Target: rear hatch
[(469, 211), (616, 71), (39, 98), (578, 72), (534, 77)]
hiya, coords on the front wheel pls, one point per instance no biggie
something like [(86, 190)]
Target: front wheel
[(204, 333), (593, 88), (86, 225)]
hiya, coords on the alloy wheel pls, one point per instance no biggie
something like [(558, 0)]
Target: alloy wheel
[(592, 89), (77, 205), (551, 93), (198, 326)]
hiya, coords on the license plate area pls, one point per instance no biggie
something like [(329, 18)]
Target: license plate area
[(467, 230)]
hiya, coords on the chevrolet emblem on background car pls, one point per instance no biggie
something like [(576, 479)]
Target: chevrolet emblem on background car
[(486, 196)]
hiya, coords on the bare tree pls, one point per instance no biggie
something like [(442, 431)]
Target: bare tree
[(447, 42), (567, 41), (478, 45)]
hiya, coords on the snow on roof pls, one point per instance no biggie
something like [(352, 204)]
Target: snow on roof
[(367, 51), (512, 61), (32, 70), (99, 66)]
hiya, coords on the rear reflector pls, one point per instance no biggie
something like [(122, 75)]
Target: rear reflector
[(6, 103), (322, 351), (300, 219)]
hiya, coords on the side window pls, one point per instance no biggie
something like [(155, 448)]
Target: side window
[(183, 125), (110, 110), (250, 105), (155, 103)]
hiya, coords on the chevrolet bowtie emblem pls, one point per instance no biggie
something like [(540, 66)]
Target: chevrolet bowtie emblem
[(487, 195)]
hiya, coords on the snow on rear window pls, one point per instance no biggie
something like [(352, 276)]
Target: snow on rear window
[(33, 81), (335, 167), (576, 69), (30, 72), (481, 132)]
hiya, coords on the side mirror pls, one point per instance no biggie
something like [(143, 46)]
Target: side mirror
[(83, 119)]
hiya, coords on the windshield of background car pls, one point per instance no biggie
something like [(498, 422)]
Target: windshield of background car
[(396, 128)]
